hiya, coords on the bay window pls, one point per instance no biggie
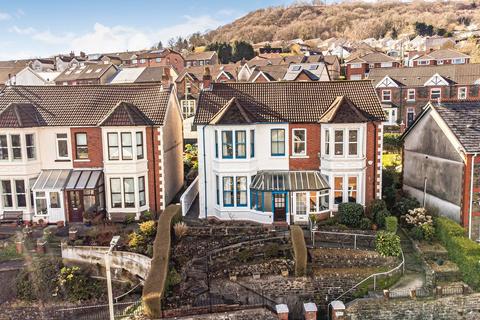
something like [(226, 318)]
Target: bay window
[(327, 142), (353, 142), (299, 142), (141, 192), (7, 196), (311, 202), (277, 142), (16, 147), (216, 144), (3, 147), (217, 187), (338, 190), (20, 193), (41, 203), (352, 189), (338, 142), (345, 189), (129, 192), (116, 192)]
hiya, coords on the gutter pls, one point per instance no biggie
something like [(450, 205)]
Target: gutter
[(470, 204)]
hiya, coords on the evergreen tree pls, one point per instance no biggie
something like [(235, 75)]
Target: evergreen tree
[(242, 50)]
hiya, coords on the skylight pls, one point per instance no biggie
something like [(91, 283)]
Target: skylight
[(313, 67), (296, 68), (98, 70)]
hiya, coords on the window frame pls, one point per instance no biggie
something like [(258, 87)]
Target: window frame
[(409, 91), (5, 148), (5, 194), (80, 146), (464, 95), (139, 145), (18, 148), (349, 142), (32, 147), (338, 143), (439, 93), (113, 147), (125, 193), (252, 143), (231, 191), (240, 144), (225, 134), (142, 190), (304, 142), (239, 192), (126, 146), (384, 92), (17, 193), (277, 142), (57, 140), (112, 193)]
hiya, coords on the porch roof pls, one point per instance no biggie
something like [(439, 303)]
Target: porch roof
[(289, 181), (84, 179), (54, 179)]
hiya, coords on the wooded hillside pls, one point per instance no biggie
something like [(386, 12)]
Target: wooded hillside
[(351, 20)]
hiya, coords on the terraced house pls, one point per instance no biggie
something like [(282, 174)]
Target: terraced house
[(70, 150), (276, 152)]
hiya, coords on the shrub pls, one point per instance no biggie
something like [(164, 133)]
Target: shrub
[(388, 244), (75, 284), (244, 255), (428, 231), (404, 205), (38, 280), (391, 224), (350, 214), (416, 233), (129, 219), (136, 242), (392, 142), (375, 206), (181, 230), (299, 250), (380, 217), (446, 228), (418, 217), (365, 224), (173, 279), (272, 250), (148, 228)]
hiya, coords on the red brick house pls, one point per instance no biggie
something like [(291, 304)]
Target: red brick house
[(440, 57), (359, 68), (157, 58), (205, 58), (441, 161), (67, 151), (404, 92)]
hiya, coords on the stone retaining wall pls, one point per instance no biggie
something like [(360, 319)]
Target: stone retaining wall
[(348, 258), (464, 307), (8, 285)]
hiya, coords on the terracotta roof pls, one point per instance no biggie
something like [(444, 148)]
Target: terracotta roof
[(20, 115), (463, 118), (343, 110), (442, 54), (198, 71), (272, 72), (416, 76), (205, 55), (86, 105), (288, 101), (125, 114)]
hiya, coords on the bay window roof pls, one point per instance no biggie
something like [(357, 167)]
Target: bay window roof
[(289, 181)]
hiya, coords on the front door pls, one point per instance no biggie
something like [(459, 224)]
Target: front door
[(75, 204), (279, 207)]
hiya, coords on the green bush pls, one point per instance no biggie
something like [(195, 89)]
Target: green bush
[(299, 250), (387, 244), (350, 214), (365, 224), (392, 142), (428, 231), (272, 250), (38, 281), (375, 206), (461, 250), (391, 224), (446, 229), (173, 279), (380, 217), (404, 205), (244, 255), (416, 233), (75, 284)]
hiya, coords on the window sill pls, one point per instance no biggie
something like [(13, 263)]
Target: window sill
[(81, 160), (299, 156), (63, 160)]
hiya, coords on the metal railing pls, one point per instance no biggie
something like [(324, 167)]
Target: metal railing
[(374, 276), (370, 238), (122, 311)]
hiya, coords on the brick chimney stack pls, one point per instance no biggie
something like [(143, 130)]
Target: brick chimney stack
[(207, 79), (166, 78), (310, 310), (282, 311)]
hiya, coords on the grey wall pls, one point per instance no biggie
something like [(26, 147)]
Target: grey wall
[(429, 153)]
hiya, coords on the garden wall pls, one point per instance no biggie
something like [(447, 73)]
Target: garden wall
[(8, 287), (448, 308), (134, 263)]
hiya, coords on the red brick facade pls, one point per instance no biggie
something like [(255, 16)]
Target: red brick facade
[(467, 189), (373, 173), (435, 62), (154, 176), (311, 161), (365, 69), (95, 150)]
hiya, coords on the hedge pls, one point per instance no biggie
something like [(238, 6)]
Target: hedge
[(299, 250), (155, 283), (391, 224), (461, 250)]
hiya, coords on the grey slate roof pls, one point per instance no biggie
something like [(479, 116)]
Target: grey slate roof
[(463, 118), (288, 101), (86, 105)]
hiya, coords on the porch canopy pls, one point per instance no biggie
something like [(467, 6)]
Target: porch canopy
[(289, 181), (54, 179), (84, 179)]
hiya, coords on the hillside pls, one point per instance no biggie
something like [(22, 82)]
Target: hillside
[(351, 20)]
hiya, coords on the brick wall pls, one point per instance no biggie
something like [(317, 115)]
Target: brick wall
[(355, 71), (373, 171), (311, 161), (95, 150), (154, 176)]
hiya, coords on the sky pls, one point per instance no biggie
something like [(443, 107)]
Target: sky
[(42, 28)]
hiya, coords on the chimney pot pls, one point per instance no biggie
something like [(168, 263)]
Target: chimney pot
[(207, 79)]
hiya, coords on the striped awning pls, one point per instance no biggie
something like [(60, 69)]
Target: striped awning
[(51, 180), (289, 181), (84, 179)]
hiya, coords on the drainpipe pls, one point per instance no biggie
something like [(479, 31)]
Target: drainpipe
[(470, 211), (205, 169)]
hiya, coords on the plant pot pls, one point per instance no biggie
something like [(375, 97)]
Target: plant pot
[(19, 246), (72, 234)]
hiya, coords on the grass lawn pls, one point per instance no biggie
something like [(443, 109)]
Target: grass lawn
[(391, 160)]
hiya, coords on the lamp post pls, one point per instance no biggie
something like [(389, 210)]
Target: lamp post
[(108, 256)]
